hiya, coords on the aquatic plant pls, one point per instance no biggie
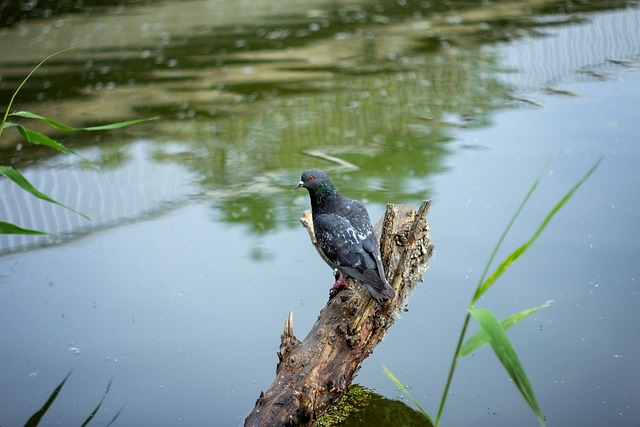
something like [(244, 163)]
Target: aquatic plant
[(492, 331), (41, 139), (37, 416)]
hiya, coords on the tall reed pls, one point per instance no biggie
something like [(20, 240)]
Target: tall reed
[(492, 331), (37, 138)]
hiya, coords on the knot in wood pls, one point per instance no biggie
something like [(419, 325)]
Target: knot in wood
[(400, 239)]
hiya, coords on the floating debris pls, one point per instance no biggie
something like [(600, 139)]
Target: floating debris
[(528, 100), (596, 74), (559, 91), (326, 156), (624, 62)]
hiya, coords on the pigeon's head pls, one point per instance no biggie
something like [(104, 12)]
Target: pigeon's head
[(313, 179), (321, 190)]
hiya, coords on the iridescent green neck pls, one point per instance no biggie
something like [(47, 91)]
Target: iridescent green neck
[(326, 193)]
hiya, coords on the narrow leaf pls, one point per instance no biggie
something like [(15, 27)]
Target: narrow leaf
[(40, 139), (21, 181), (52, 123), (97, 408), (480, 338), (402, 388), (118, 125), (478, 294), (8, 228), (484, 285), (15, 93), (506, 354), (65, 128), (522, 249), (37, 416), (115, 417)]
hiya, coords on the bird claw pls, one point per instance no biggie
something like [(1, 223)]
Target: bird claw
[(338, 286), (340, 283)]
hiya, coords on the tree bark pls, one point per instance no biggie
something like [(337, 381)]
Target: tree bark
[(312, 375)]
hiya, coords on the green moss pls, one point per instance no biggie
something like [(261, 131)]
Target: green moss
[(356, 399)]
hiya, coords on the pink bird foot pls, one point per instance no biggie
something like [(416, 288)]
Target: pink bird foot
[(341, 283)]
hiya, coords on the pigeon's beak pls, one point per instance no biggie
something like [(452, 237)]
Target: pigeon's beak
[(298, 185)]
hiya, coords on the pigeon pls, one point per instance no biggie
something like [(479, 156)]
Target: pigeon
[(345, 235)]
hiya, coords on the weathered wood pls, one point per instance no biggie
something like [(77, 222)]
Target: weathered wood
[(311, 375)]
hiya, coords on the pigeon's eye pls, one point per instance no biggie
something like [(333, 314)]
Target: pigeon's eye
[(311, 177)]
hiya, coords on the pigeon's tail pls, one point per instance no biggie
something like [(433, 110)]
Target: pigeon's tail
[(380, 291)]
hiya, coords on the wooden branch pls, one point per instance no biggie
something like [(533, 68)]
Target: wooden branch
[(311, 375)]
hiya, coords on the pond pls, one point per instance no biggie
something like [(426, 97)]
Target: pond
[(178, 287)]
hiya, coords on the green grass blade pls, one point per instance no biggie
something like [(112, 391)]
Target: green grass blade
[(402, 388), (13, 97), (522, 249), (480, 338), (506, 354), (52, 123), (65, 128), (115, 417), (97, 408), (484, 285), (23, 183), (40, 139), (37, 416), (118, 125), (8, 228), (478, 294)]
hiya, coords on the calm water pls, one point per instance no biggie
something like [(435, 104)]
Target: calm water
[(178, 287)]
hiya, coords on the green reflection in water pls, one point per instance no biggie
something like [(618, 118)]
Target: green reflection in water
[(376, 86)]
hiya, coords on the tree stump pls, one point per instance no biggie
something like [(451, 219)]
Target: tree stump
[(312, 375)]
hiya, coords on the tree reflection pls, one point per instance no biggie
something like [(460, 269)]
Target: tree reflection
[(379, 85)]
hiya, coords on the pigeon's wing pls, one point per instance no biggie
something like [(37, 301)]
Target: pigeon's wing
[(363, 255), (374, 278), (340, 242), (353, 254), (357, 215)]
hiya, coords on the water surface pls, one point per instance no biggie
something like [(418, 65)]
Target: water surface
[(179, 286)]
